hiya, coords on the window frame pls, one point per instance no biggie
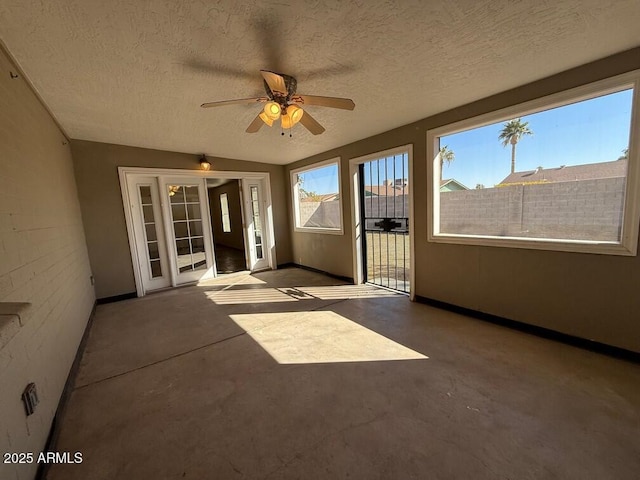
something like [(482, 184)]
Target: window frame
[(628, 244), (225, 206), (295, 197)]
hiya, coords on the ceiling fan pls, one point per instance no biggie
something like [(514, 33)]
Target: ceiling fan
[(284, 104)]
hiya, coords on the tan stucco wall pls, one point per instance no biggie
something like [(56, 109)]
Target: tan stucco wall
[(43, 261), (234, 238), (96, 168), (590, 296)]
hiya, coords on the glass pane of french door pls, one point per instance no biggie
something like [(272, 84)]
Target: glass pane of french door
[(150, 231), (187, 209), (257, 224), (153, 264), (186, 218), (255, 228)]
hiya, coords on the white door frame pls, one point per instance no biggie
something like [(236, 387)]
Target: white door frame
[(124, 173), (356, 214)]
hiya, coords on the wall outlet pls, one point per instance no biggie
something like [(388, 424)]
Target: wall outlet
[(30, 398)]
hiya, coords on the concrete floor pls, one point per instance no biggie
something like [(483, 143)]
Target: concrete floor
[(323, 386)]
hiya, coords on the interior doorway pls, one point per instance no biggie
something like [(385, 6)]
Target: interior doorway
[(225, 208)]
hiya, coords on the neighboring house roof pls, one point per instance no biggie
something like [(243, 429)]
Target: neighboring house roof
[(617, 168), (386, 190), (450, 184)]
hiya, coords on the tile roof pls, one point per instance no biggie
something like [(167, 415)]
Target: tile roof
[(387, 190), (446, 181), (617, 168)]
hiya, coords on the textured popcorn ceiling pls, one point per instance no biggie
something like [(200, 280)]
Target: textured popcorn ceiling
[(134, 72)]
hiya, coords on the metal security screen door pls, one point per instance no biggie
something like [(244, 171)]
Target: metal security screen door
[(384, 200)]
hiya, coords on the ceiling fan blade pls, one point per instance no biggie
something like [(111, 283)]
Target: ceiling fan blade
[(255, 125), (276, 82), (333, 102), (311, 124), (235, 102)]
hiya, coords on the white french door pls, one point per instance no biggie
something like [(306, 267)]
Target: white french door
[(254, 213), (149, 232), (189, 230), (169, 227)]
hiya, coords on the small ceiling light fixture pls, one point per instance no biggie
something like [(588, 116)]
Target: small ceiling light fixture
[(204, 163)]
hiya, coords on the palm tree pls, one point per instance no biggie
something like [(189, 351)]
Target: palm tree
[(446, 155), (511, 133), (625, 154)]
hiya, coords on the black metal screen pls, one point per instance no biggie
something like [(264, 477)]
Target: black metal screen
[(384, 196)]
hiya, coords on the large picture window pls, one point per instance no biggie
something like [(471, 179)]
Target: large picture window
[(317, 206), (557, 173)]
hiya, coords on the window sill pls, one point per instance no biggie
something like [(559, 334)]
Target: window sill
[(326, 231), (12, 317), (572, 246)]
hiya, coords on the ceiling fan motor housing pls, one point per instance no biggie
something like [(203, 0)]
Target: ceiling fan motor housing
[(290, 83)]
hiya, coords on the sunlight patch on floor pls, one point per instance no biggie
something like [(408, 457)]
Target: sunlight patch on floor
[(320, 337), (252, 295), (338, 292), (238, 278)]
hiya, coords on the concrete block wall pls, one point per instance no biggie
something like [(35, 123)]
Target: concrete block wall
[(320, 214), (43, 261), (586, 209), (327, 214), (387, 207)]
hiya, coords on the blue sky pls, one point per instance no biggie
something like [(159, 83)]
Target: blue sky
[(592, 131), (320, 180)]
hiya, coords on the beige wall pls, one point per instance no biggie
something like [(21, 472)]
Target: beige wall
[(234, 238), (96, 168), (43, 261), (590, 296)]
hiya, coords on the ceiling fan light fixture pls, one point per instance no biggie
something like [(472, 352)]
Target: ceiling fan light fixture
[(286, 120), (272, 110), (263, 116), (295, 113)]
